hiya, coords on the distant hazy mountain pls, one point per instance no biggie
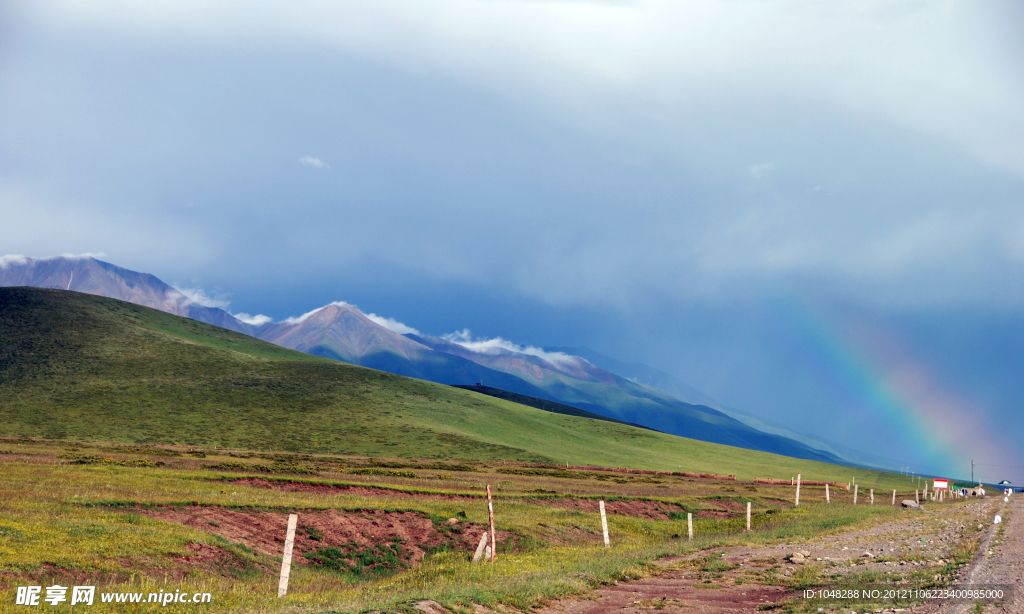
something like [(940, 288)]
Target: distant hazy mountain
[(576, 381), (641, 374), (655, 378), (342, 332)]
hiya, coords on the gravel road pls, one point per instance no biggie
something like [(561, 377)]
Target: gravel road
[(752, 579), (1000, 560)]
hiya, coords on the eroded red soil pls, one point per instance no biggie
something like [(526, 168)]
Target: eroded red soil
[(264, 532), (341, 489), (653, 510)]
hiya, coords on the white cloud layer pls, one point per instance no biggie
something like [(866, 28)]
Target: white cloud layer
[(646, 148), (392, 324), (200, 297), (497, 345), (12, 259), (18, 259), (313, 161), (256, 320), (935, 65)]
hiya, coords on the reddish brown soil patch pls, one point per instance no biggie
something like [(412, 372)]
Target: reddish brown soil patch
[(652, 510), (342, 489), (264, 532), (673, 592), (715, 514)]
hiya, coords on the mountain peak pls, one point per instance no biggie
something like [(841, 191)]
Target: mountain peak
[(88, 275), (341, 331)]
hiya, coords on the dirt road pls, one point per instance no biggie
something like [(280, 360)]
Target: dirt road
[(1000, 560), (921, 545)]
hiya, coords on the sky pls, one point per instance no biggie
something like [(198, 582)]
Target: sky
[(809, 211)]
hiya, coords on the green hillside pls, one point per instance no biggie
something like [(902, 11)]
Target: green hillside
[(79, 367)]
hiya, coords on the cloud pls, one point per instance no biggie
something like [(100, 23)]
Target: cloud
[(761, 170), (314, 162), (82, 256), (256, 320), (18, 259), (392, 324), (200, 297), (497, 345), (12, 259), (719, 111)]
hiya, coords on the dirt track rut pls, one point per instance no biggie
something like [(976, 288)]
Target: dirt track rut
[(727, 580), (1000, 560)]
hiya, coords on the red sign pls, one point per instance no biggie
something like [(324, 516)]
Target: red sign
[(940, 484)]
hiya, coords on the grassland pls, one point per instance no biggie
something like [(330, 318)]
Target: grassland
[(82, 368), (69, 514), (121, 425)]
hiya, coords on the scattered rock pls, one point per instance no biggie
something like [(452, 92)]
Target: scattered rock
[(867, 555), (453, 521), (429, 607), (912, 504), (798, 558)]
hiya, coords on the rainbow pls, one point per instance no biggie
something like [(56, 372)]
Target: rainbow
[(894, 390)]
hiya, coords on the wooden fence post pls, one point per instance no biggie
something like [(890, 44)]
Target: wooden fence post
[(856, 489), (748, 516), (894, 496), (797, 491), (604, 526), (689, 524), (490, 515), (828, 497), (286, 559), (872, 496)]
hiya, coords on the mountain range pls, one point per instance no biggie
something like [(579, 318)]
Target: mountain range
[(341, 331)]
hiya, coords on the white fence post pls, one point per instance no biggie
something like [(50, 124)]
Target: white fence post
[(604, 526), (286, 560)]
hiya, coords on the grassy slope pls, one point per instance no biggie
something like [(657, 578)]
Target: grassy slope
[(82, 367), (544, 404), (51, 529)]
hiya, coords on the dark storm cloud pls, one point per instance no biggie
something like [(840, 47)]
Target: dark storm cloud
[(630, 166)]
